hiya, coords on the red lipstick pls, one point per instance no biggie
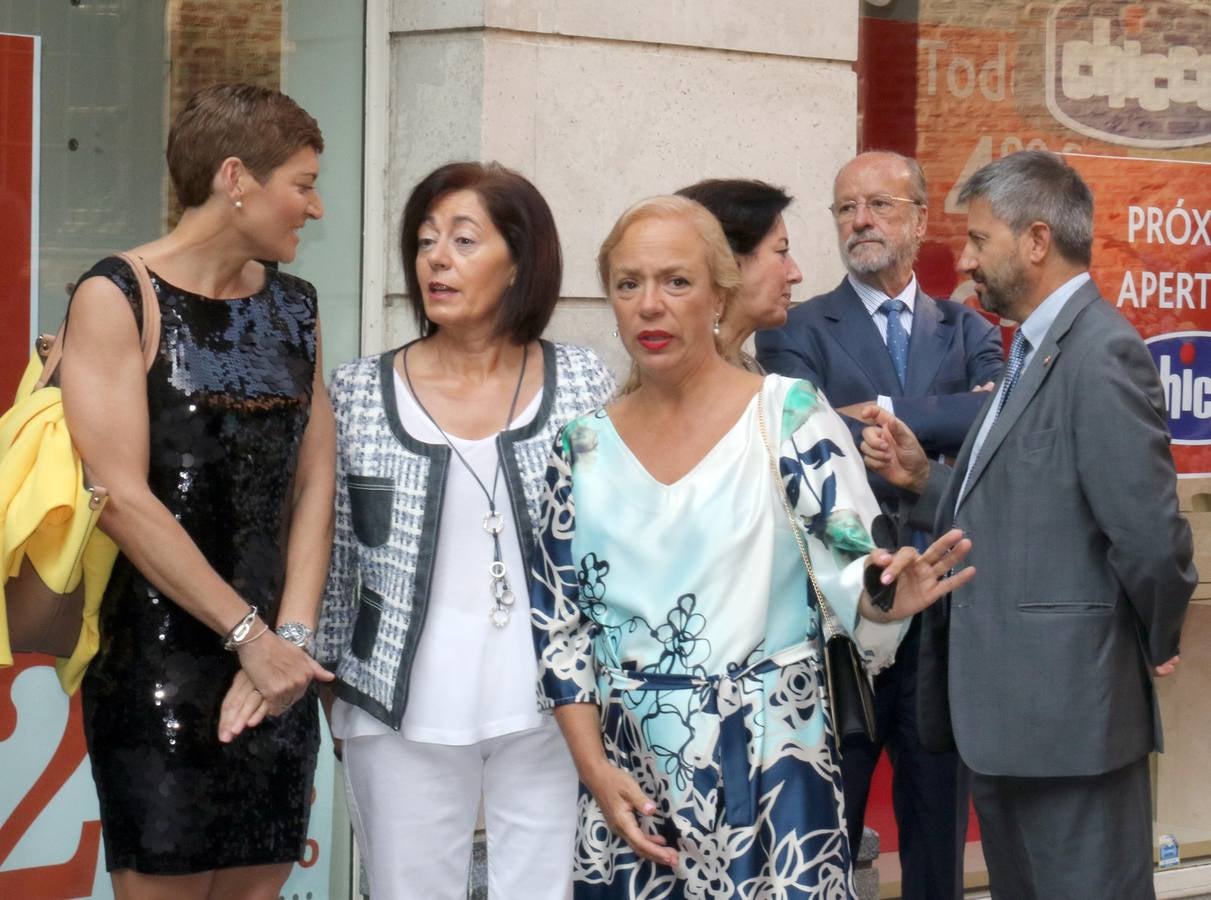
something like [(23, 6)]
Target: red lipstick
[(654, 340)]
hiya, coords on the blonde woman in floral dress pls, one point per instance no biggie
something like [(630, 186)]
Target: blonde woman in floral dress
[(678, 642)]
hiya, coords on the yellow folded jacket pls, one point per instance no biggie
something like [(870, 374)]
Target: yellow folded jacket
[(45, 516)]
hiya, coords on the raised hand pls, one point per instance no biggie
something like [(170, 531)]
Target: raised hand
[(921, 579), (890, 448)]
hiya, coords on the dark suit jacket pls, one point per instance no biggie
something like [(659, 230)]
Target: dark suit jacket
[(832, 341), (1041, 665)]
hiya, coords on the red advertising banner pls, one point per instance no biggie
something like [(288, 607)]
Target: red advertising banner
[(18, 198), (1152, 260)]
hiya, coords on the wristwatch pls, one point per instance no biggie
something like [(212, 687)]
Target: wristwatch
[(298, 634)]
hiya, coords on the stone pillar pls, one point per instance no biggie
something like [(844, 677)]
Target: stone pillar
[(602, 104)]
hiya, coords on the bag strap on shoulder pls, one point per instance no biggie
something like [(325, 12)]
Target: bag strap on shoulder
[(149, 338), (830, 627)]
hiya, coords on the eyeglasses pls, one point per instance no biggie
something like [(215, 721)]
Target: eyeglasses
[(881, 206)]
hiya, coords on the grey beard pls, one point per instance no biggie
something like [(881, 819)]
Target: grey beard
[(885, 259)]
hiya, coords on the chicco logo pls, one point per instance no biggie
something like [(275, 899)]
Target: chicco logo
[(1131, 74), (1183, 360)]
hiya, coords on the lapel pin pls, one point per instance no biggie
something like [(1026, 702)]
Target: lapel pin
[(1046, 360)]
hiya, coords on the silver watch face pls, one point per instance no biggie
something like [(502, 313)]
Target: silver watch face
[(295, 632)]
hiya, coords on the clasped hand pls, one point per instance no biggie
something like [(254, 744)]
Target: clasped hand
[(273, 675)]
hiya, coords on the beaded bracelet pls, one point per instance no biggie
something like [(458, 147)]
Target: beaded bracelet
[(239, 633)]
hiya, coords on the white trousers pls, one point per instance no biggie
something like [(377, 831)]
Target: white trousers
[(414, 807)]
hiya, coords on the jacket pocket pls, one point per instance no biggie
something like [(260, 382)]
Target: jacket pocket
[(365, 627), (1038, 441), (371, 502), (1066, 608)]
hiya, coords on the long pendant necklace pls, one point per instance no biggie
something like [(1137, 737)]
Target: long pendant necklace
[(493, 522)]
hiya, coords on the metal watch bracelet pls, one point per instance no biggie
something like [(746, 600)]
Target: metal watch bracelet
[(298, 634)]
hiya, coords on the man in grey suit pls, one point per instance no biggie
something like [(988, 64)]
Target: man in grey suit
[(1040, 669)]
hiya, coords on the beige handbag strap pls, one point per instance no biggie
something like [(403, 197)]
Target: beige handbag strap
[(830, 628), (149, 339)]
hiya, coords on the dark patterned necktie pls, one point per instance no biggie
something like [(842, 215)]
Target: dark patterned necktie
[(1013, 368), (897, 337)]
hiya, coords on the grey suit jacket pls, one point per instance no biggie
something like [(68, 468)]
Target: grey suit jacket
[(1041, 665)]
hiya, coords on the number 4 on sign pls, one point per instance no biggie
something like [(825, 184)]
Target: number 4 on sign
[(982, 156)]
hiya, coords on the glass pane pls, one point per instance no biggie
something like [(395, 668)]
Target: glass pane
[(112, 76)]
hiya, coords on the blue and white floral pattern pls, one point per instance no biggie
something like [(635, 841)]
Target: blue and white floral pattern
[(683, 611)]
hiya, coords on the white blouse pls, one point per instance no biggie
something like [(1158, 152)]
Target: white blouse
[(470, 681)]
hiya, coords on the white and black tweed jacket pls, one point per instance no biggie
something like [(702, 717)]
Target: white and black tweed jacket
[(389, 489)]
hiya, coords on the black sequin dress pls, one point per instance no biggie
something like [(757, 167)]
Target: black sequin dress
[(228, 399)]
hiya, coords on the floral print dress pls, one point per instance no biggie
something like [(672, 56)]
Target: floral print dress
[(684, 611)]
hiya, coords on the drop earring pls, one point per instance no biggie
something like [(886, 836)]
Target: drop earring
[(718, 316), (614, 331)]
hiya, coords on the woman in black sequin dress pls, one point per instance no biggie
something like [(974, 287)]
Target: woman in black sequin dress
[(219, 463)]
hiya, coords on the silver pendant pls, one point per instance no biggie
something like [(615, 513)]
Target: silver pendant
[(498, 615)]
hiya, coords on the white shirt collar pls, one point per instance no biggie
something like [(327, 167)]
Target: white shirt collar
[(872, 298), (1039, 322)]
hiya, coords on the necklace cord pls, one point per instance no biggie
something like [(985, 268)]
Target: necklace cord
[(493, 523)]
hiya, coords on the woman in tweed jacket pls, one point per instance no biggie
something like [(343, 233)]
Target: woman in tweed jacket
[(425, 620)]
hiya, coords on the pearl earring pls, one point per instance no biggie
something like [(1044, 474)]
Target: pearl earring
[(718, 316), (614, 332), (239, 204)]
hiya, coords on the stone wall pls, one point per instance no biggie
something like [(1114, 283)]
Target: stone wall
[(604, 104)]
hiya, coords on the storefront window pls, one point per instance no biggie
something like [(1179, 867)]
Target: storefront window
[(89, 88)]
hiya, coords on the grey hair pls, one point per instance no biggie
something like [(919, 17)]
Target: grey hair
[(1038, 186)]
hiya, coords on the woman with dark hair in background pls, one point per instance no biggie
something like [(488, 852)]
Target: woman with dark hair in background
[(750, 213), (442, 446), (219, 464)]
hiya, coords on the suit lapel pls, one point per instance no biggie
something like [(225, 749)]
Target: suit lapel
[(1031, 379), (926, 345), (947, 506), (858, 335)]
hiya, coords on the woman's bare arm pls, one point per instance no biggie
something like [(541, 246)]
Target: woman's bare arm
[(309, 544)]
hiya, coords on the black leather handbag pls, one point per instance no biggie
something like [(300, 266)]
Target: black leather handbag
[(850, 698)]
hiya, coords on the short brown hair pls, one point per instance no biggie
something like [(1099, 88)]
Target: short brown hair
[(260, 126), (524, 220)]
